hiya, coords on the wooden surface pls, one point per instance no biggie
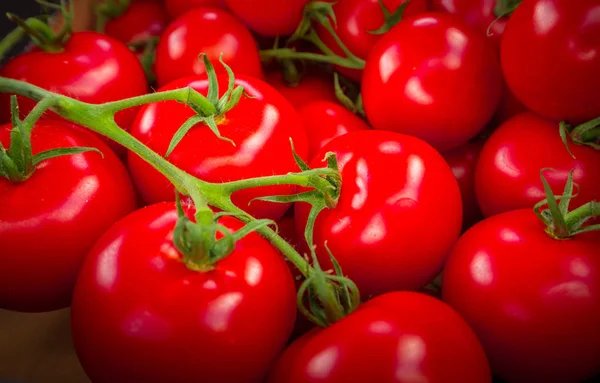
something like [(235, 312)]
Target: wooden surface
[(37, 348)]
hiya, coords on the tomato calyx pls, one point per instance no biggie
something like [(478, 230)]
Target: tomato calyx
[(391, 18), (109, 9), (349, 96), (587, 134), (506, 7), (320, 12), (561, 223), (17, 163), (221, 105), (41, 33)]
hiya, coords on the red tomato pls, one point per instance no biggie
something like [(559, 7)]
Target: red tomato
[(400, 337), (49, 222), (142, 20), (210, 31), (479, 14), (135, 296), (508, 170), (176, 8), (533, 301), (443, 78), (325, 120), (380, 231), (356, 19), (310, 88), (91, 67), (269, 17), (562, 32), (260, 126), (462, 161)]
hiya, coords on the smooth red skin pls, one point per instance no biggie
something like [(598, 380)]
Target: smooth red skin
[(479, 14), (269, 17), (533, 301), (441, 93), (508, 170), (390, 206), (176, 8), (205, 30), (310, 89), (566, 34), (92, 68), (463, 161), (142, 20), (325, 120), (261, 126), (49, 222), (399, 337), (355, 19), (135, 296)]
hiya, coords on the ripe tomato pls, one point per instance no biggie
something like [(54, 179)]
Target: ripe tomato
[(443, 78), (410, 337), (260, 126), (562, 32), (356, 19), (508, 170), (142, 20), (325, 120), (310, 88), (533, 301), (269, 17), (463, 161), (49, 222), (91, 67), (389, 206), (210, 31), (182, 325), (479, 14), (176, 8)]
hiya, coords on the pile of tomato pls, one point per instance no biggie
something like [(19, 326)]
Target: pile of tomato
[(467, 140)]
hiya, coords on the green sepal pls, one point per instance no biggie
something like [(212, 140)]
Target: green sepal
[(391, 19), (59, 152), (505, 7), (182, 132)]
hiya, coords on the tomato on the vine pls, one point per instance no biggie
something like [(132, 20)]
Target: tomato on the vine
[(269, 17), (50, 221), (533, 301), (433, 77), (176, 8), (551, 55), (143, 20), (136, 297), (508, 170), (310, 88), (325, 120), (90, 67), (400, 337), (213, 32), (390, 205), (260, 125)]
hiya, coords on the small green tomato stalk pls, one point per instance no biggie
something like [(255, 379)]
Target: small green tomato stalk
[(587, 134), (561, 223), (330, 295)]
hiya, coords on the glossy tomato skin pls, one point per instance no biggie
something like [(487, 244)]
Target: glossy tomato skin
[(310, 88), (176, 8), (49, 222), (92, 68), (325, 120), (463, 162), (533, 301), (566, 34), (508, 170), (399, 337), (269, 17), (143, 20), (182, 325), (355, 19), (205, 30), (479, 14), (390, 205), (260, 125), (444, 80)]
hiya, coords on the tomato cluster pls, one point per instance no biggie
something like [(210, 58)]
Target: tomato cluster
[(430, 170)]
